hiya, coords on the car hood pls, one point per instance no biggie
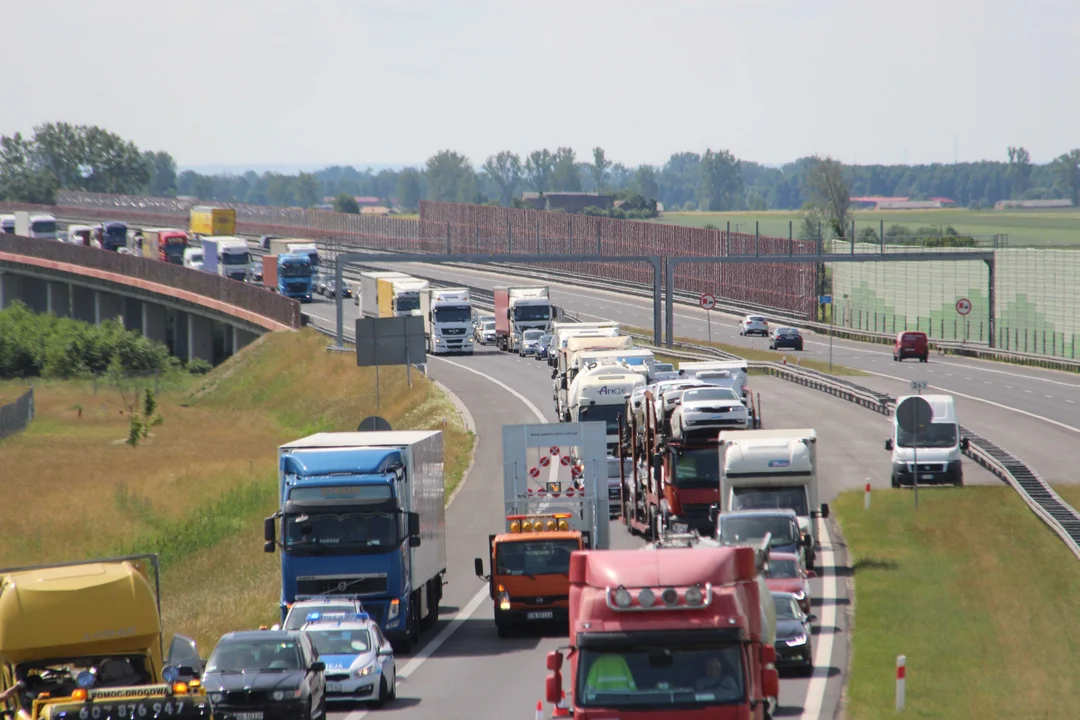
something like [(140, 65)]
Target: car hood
[(926, 455), (252, 680), (787, 629)]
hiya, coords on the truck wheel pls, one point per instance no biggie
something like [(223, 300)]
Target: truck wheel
[(503, 629)]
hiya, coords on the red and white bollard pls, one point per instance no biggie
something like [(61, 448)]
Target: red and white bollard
[(901, 672), (866, 499), (540, 710)]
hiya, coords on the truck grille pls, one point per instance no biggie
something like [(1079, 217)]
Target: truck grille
[(453, 331), (341, 585)]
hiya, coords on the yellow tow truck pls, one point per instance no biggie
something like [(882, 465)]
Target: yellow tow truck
[(83, 641)]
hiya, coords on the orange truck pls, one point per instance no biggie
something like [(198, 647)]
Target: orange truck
[(551, 501)]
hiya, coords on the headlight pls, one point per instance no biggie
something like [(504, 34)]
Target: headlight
[(395, 609), (369, 669), (280, 695), (797, 640), (800, 595), (504, 599), (216, 697)]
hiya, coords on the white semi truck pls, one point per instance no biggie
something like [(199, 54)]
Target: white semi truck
[(598, 394), (518, 309), (447, 320)]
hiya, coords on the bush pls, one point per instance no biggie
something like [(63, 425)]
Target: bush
[(48, 346), (198, 366)]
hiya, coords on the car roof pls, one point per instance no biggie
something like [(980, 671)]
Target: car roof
[(269, 635), (338, 625), (761, 513)]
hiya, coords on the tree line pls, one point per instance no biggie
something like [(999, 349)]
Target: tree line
[(84, 157)]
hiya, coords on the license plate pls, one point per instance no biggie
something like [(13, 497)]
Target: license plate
[(248, 716), (926, 476), (334, 687), (541, 615)]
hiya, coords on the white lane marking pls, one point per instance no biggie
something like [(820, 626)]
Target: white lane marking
[(823, 649), (983, 400), (1049, 396), (469, 609), (1028, 392)]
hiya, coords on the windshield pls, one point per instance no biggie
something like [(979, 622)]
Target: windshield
[(533, 334), (342, 532), (659, 677), (753, 528), (296, 270), (710, 394), (608, 414), (698, 469), (489, 325), (534, 557), (786, 607), (532, 312), (781, 498), (456, 314), (195, 257), (787, 331), (234, 258), (340, 642), (174, 252), (934, 435), (546, 340), (663, 367), (783, 569), (297, 616), (239, 655), (408, 303)]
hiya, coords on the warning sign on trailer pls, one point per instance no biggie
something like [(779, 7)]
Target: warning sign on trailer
[(554, 451), (565, 460), (534, 472), (545, 460)]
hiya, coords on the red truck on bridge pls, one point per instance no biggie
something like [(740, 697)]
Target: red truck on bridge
[(670, 634)]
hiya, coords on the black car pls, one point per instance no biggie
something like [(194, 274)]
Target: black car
[(265, 675), (786, 337), (794, 645)]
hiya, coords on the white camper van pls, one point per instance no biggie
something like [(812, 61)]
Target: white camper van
[(938, 447)]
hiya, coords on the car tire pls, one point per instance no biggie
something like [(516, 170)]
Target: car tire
[(807, 670), (895, 480), (393, 688), (503, 630), (924, 358), (381, 698)]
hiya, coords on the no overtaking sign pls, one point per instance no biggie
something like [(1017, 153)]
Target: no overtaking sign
[(707, 302)]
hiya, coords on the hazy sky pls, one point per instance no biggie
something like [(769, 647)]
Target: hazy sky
[(378, 81)]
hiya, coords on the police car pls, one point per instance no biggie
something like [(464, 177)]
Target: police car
[(359, 660)]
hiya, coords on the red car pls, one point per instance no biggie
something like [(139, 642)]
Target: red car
[(909, 344), (787, 574)]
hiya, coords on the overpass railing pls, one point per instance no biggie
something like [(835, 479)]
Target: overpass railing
[(240, 295)]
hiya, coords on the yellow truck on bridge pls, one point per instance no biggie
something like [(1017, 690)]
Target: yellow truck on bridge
[(213, 221), (83, 641)]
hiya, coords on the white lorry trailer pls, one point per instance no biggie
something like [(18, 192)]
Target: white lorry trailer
[(447, 320)]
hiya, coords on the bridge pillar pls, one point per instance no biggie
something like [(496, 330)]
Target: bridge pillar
[(132, 313), (35, 293), (180, 334), (107, 306), (200, 332), (154, 322), (10, 289), (241, 339), (84, 304), (59, 298)]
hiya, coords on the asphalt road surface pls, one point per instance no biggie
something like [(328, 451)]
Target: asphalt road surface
[(465, 670)]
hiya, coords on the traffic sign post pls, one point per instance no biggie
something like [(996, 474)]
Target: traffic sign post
[(827, 300), (708, 302), (963, 306), (913, 415)]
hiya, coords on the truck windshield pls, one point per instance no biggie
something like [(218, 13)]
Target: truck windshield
[(46, 227), (528, 313), (659, 677), (296, 270), (753, 528), (698, 469), (607, 414), (453, 314), (174, 252), (343, 531), (934, 435), (771, 498), (408, 303), (534, 557), (234, 258), (57, 676)]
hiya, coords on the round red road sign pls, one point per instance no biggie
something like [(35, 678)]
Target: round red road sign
[(963, 306), (565, 460), (545, 460), (534, 472), (707, 302), (554, 451)]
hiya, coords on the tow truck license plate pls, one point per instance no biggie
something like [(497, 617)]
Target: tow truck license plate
[(247, 716), (541, 615), (334, 687)]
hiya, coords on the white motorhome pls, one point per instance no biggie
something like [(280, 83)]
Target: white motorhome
[(447, 320), (599, 395), (773, 470), (937, 447)]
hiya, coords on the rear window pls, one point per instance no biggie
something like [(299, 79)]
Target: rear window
[(912, 337), (757, 318)]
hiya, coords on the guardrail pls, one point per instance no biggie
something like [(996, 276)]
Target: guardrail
[(254, 300), (17, 415)]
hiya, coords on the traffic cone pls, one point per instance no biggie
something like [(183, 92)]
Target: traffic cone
[(560, 708), (540, 710)]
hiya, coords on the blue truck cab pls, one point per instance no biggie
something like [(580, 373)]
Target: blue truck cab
[(294, 276), (362, 514), (114, 235)]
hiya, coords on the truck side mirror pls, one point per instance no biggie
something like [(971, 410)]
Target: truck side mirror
[(965, 444), (770, 682), (554, 374), (414, 525), (269, 535), (478, 567), (888, 445), (554, 659), (824, 510), (714, 510), (658, 463), (553, 688), (414, 541)]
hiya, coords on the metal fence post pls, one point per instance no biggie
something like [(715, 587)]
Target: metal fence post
[(449, 250), (477, 226), (509, 238)]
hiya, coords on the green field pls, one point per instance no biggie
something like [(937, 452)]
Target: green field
[(977, 594), (1037, 228)]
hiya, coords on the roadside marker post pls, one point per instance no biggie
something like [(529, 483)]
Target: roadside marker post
[(866, 501), (901, 673)]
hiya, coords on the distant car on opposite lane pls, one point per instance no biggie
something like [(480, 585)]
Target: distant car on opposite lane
[(786, 337), (754, 325)]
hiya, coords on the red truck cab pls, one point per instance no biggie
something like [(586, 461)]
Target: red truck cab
[(666, 635)]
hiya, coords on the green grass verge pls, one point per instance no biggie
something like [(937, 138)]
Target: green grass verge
[(978, 595), (1036, 228)]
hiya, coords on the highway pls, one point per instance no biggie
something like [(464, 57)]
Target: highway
[(464, 669), (1035, 413)]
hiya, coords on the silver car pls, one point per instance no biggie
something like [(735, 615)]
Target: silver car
[(360, 665), (530, 340), (754, 325)]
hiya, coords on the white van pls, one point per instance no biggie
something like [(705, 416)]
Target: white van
[(938, 448), (193, 258)]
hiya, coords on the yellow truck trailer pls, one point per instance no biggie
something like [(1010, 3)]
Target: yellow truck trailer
[(213, 221), (83, 641)]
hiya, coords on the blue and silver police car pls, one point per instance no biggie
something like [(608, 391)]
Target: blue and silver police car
[(359, 660)]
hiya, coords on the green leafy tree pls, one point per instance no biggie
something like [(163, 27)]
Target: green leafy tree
[(21, 179), (721, 180), (163, 174), (599, 168), (408, 188), (306, 189), (89, 158), (1019, 170), (645, 182), (1067, 169), (505, 170), (539, 168), (830, 193), (564, 175), (346, 203), (451, 178)]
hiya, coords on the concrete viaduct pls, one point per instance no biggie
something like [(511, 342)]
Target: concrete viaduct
[(196, 314)]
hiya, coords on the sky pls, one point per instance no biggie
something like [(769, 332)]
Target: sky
[(322, 82)]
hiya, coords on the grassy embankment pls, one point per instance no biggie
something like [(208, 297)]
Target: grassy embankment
[(762, 355), (977, 593), (1034, 228), (197, 489)]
